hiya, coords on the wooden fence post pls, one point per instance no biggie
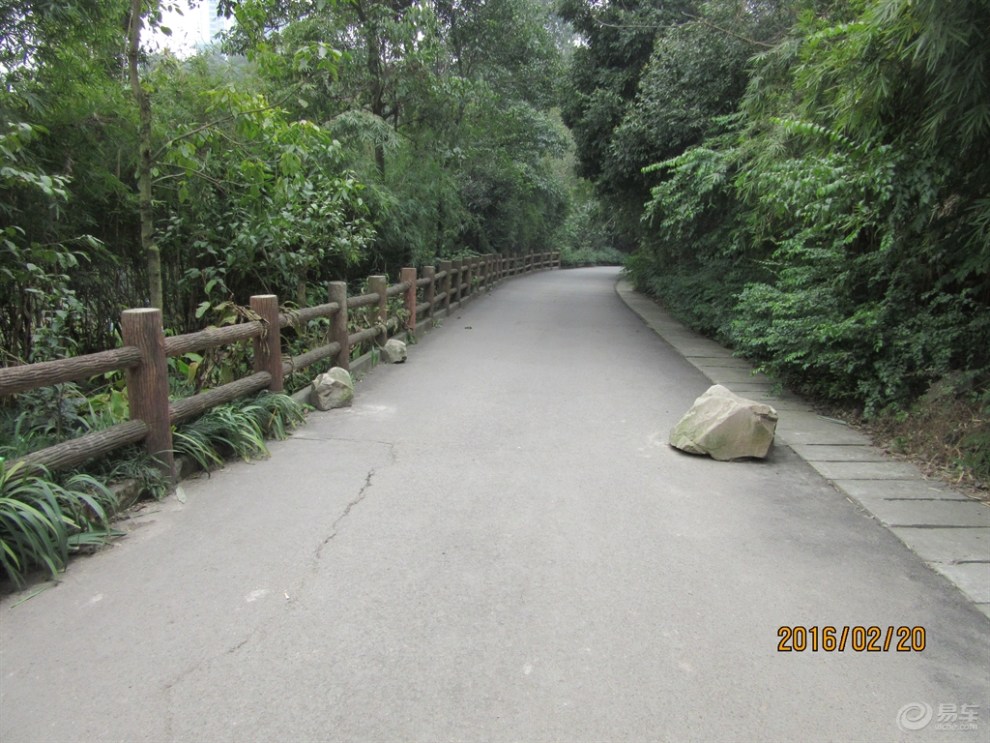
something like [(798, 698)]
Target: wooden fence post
[(338, 323), (379, 285), (458, 276), (408, 276), (147, 383), (468, 264), (268, 348), (446, 267), (430, 290)]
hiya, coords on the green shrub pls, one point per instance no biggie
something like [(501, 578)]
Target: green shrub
[(586, 237), (237, 429), (603, 256), (43, 521)]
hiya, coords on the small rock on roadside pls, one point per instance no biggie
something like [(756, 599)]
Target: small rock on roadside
[(333, 389), (394, 351)]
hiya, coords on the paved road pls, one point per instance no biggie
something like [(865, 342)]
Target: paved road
[(496, 544)]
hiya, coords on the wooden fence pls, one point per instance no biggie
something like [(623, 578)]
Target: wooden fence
[(144, 355)]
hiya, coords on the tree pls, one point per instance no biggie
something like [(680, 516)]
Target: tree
[(56, 63), (426, 86), (841, 212), (604, 76), (135, 22), (350, 136), (508, 45)]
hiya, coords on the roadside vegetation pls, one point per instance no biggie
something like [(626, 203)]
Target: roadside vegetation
[(314, 142), (806, 181)]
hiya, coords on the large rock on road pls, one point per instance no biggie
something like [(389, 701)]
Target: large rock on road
[(725, 426)]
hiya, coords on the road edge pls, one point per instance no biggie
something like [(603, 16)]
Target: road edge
[(949, 531)]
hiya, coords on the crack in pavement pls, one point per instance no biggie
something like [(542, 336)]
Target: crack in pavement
[(362, 493), (261, 629), (390, 445), (169, 687)]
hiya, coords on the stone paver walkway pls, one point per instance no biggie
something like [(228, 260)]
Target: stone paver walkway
[(947, 529)]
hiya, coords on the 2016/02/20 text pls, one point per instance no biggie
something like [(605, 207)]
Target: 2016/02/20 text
[(858, 638)]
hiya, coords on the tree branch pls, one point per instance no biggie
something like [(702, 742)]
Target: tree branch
[(706, 22), (695, 18), (222, 120)]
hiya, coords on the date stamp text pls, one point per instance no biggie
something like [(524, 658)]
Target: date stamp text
[(857, 638)]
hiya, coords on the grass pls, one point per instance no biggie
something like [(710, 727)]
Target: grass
[(238, 430), (43, 521)]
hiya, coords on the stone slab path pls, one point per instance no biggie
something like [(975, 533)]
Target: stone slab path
[(946, 528)]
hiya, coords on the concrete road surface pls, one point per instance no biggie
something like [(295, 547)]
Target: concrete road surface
[(496, 544)]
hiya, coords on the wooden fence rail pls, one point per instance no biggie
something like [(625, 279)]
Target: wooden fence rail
[(145, 352)]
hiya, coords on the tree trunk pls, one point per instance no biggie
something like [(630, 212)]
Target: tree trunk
[(376, 72), (377, 93), (145, 204)]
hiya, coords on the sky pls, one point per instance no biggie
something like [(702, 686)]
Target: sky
[(190, 28)]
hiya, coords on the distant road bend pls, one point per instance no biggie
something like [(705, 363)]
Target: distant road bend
[(496, 544)]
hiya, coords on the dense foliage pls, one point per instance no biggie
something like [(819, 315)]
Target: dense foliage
[(319, 141), (807, 181)]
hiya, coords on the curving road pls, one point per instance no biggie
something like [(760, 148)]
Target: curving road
[(496, 544)]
